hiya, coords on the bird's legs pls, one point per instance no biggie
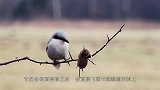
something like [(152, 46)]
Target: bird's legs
[(79, 72)]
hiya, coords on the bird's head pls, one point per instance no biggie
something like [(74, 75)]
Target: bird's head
[(60, 35), (85, 53)]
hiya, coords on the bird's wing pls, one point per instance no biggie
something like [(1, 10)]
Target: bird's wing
[(49, 40), (46, 48), (48, 43)]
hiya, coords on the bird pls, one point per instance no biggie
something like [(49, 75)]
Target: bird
[(58, 48), (83, 58)]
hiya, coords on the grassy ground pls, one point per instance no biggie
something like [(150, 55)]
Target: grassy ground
[(134, 52)]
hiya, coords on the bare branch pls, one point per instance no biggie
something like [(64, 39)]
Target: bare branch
[(109, 39), (66, 61), (34, 61), (92, 62), (70, 55)]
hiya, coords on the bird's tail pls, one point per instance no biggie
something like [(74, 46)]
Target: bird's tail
[(57, 66)]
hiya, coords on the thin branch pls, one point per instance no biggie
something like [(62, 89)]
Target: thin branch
[(92, 62), (34, 61), (70, 55), (109, 39)]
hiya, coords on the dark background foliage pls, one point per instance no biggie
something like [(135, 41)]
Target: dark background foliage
[(80, 9)]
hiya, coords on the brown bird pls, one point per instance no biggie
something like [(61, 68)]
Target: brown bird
[(83, 58)]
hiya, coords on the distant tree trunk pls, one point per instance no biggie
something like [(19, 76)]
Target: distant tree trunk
[(56, 9), (93, 8), (126, 7), (116, 9)]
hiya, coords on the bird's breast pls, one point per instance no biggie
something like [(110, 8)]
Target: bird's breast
[(82, 62), (57, 49)]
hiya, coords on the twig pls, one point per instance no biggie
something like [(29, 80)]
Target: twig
[(92, 62), (109, 39), (34, 61), (70, 55)]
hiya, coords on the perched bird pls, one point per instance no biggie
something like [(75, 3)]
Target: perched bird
[(83, 59), (57, 48)]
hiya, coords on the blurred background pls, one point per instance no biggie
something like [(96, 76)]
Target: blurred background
[(80, 9), (26, 26)]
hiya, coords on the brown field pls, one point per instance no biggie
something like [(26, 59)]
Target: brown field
[(134, 52)]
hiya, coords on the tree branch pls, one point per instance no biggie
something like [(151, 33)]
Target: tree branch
[(109, 39), (52, 63), (34, 61)]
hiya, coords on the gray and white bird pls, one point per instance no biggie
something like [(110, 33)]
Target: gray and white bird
[(57, 48)]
